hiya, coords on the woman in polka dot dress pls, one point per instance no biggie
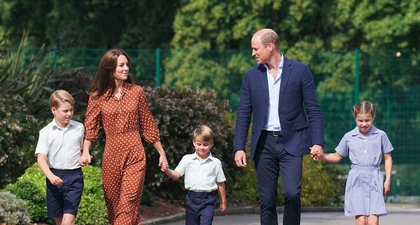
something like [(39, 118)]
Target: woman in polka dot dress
[(120, 107)]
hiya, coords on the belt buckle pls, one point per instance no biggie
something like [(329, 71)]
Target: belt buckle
[(274, 134)]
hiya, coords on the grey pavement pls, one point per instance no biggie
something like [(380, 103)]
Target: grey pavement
[(404, 214)]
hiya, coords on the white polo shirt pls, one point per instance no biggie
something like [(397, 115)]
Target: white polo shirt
[(62, 146), (201, 176)]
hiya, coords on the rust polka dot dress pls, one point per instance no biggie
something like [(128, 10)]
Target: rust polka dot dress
[(124, 159)]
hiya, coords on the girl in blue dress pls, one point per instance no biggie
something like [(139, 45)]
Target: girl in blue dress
[(365, 187)]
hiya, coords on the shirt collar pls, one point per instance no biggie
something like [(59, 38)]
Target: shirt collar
[(281, 63), (55, 125), (210, 157), (356, 132)]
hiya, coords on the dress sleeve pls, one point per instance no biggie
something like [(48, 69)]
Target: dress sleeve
[(386, 144), (93, 119), (148, 127), (343, 147)]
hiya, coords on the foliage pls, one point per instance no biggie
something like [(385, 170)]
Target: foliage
[(33, 76), (12, 209), (309, 24), (322, 184), (18, 135), (132, 24), (147, 198), (34, 198), (406, 180)]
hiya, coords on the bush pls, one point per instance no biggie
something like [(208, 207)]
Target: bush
[(12, 210), (18, 134), (34, 198)]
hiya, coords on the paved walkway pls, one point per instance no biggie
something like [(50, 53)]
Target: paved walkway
[(404, 214)]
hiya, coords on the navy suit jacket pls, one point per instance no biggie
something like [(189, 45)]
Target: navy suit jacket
[(299, 109)]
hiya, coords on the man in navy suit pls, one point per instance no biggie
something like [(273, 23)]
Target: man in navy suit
[(287, 123)]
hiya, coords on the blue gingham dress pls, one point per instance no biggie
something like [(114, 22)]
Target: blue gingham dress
[(364, 187)]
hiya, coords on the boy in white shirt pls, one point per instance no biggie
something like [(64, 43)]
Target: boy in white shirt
[(58, 150), (203, 178)]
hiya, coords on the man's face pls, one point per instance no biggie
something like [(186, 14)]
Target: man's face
[(260, 52)]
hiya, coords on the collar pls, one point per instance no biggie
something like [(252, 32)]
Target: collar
[(281, 63), (55, 125), (356, 132), (210, 157)]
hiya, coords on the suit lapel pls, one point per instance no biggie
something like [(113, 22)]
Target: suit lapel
[(264, 84), (284, 78)]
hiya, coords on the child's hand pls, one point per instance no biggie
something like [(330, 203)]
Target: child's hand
[(85, 160), (317, 152), (223, 207), (56, 181), (163, 163), (387, 187)]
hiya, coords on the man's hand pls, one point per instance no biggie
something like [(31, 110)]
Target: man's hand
[(317, 151), (240, 158)]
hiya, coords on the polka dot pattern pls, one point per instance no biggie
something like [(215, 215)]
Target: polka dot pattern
[(124, 159)]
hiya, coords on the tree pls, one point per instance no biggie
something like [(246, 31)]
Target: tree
[(99, 23)]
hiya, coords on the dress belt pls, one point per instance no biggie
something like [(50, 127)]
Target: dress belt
[(273, 133)]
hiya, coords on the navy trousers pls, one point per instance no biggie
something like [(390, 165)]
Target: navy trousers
[(200, 207), (272, 160)]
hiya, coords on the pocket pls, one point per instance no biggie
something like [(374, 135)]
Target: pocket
[(302, 125)]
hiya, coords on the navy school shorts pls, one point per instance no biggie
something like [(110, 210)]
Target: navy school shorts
[(66, 198)]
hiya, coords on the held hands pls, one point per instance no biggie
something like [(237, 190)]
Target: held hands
[(317, 152), (163, 163), (85, 159)]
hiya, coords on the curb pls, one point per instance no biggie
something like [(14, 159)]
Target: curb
[(241, 210)]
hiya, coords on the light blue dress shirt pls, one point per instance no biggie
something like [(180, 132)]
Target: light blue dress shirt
[(273, 121)]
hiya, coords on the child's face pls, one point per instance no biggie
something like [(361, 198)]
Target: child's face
[(202, 148), (63, 114), (364, 123)]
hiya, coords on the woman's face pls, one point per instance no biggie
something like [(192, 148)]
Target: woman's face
[(121, 71)]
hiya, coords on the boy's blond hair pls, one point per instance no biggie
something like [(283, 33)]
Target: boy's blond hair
[(203, 133), (59, 97)]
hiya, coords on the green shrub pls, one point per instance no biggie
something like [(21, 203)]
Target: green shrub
[(12, 210), (322, 183), (18, 134), (407, 176), (33, 196), (147, 198)]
